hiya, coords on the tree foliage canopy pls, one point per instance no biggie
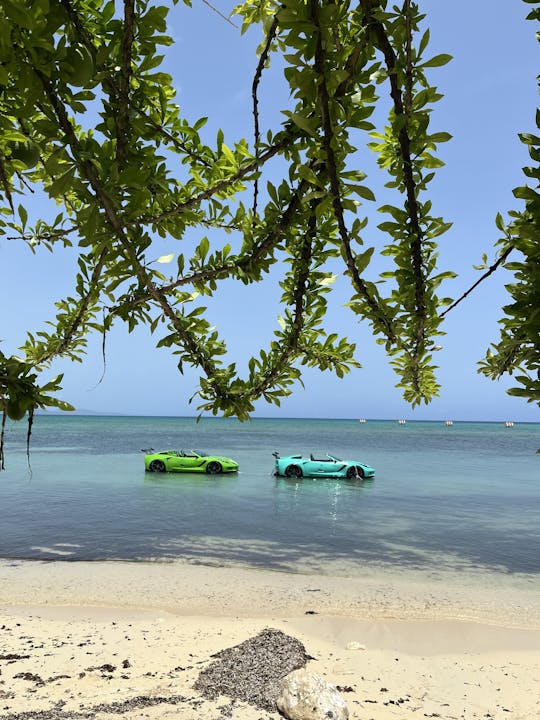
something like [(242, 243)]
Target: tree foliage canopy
[(116, 188)]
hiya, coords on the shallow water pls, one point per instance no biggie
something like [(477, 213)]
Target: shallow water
[(458, 498)]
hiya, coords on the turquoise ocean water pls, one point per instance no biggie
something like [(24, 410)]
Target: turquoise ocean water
[(459, 497)]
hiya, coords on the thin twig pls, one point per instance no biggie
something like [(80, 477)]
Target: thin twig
[(488, 272), (28, 435), (2, 431), (228, 19)]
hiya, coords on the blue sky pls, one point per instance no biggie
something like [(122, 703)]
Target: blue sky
[(490, 96)]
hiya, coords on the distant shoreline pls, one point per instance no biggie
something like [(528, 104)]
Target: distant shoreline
[(413, 421)]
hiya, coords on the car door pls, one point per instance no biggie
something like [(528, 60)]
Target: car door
[(320, 467), (175, 461), (191, 461), (330, 467)]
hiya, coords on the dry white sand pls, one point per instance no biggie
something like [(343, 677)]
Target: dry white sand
[(128, 640)]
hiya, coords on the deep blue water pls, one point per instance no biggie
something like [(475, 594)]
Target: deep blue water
[(460, 497)]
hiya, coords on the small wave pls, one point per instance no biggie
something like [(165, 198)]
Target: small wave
[(52, 551)]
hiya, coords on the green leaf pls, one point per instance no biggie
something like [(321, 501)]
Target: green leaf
[(23, 215), (203, 248), (229, 154), (305, 123), (423, 42), (330, 280), (61, 184), (440, 137), (363, 259), (306, 173), (526, 193), (437, 61), (363, 191)]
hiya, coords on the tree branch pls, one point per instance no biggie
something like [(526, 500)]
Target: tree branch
[(122, 118), (219, 186), (411, 204), (328, 135), (254, 89), (277, 230), (81, 312), (488, 272)]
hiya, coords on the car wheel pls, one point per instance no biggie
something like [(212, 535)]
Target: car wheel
[(213, 468), (157, 466), (293, 471), (355, 472)]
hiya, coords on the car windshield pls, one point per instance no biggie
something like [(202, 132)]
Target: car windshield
[(333, 457)]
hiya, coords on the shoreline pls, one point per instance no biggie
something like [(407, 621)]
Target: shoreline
[(208, 589), (104, 640)]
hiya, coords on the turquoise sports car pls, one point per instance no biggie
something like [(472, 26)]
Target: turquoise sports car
[(190, 461), (297, 466)]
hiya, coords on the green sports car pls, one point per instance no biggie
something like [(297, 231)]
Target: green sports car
[(190, 461)]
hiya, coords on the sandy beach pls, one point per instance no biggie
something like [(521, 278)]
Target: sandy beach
[(129, 640)]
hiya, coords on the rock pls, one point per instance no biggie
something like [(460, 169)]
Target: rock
[(354, 645), (306, 696)]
